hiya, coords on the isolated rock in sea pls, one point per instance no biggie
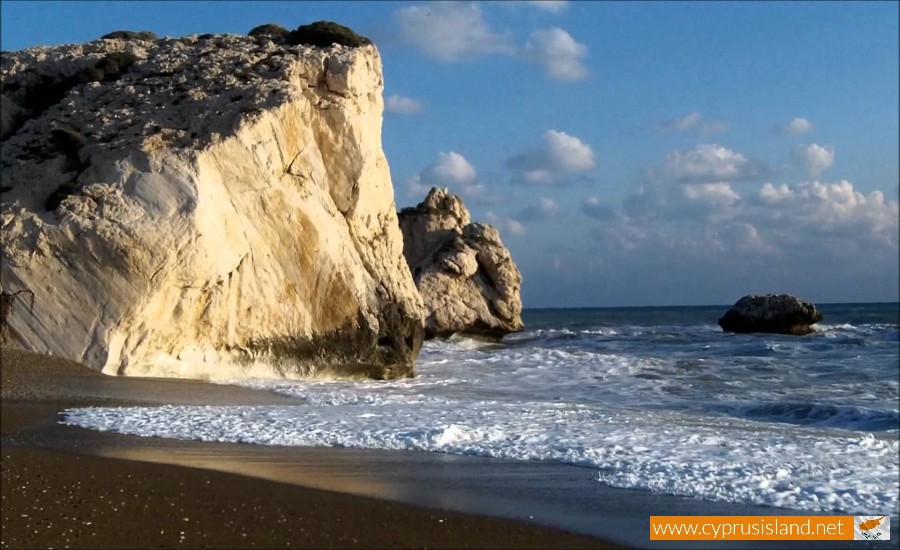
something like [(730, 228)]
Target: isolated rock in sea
[(466, 277), (207, 206), (776, 313)]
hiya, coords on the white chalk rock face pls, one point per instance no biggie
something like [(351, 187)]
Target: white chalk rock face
[(466, 277), (204, 207)]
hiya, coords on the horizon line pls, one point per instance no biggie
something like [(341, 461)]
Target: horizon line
[(698, 305)]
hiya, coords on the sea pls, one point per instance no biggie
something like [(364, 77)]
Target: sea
[(656, 399)]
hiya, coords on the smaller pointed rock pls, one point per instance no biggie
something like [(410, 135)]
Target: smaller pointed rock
[(466, 277)]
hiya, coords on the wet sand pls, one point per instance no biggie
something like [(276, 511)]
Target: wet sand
[(58, 500), (68, 486), (56, 491)]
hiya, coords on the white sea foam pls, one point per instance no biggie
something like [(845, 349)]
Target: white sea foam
[(755, 419), (667, 452), (844, 327)]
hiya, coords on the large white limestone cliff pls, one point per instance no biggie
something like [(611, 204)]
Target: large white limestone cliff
[(205, 207)]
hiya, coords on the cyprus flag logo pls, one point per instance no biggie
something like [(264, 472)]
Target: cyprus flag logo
[(871, 528)]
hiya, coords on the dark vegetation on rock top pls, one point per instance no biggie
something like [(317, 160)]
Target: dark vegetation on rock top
[(271, 30), (130, 35), (323, 34)]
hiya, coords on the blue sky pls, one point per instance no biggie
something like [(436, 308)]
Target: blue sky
[(630, 153)]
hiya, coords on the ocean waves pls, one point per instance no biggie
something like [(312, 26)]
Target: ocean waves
[(819, 414), (731, 460), (653, 399)]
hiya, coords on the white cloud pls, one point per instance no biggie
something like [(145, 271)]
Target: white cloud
[(558, 54), (402, 105), (451, 168), (834, 208), (453, 171), (543, 209), (770, 194), (505, 224), (555, 7), (568, 152), (559, 159), (514, 228), (593, 208), (778, 237), (709, 239), (684, 123), (744, 237), (703, 203), (796, 127), (695, 123), (708, 163), (813, 158), (832, 218), (693, 185), (623, 236), (715, 194), (450, 31)]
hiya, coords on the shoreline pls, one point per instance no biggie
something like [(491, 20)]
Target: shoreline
[(64, 486), (552, 502), (115, 503)]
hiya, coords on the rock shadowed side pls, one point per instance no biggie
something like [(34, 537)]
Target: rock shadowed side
[(772, 313), (383, 350), (467, 278)]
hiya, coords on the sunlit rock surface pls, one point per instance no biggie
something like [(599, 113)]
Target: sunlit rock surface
[(208, 206), (466, 277)]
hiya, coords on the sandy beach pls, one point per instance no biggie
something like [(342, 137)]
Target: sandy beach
[(66, 486), (57, 493)]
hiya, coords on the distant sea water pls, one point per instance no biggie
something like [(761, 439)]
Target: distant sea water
[(652, 398)]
